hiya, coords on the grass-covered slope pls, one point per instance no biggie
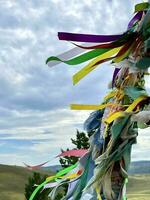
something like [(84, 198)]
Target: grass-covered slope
[(12, 182), (139, 187), (13, 179)]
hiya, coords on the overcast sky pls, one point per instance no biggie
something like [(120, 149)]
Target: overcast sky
[(35, 119)]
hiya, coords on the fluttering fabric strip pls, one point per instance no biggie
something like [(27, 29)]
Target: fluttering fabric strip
[(116, 71), (36, 166), (136, 18), (141, 6), (92, 54), (93, 64), (91, 107), (77, 51), (69, 54), (39, 188), (116, 115), (98, 193), (81, 58), (105, 45), (74, 152), (87, 37), (51, 178), (124, 52), (121, 41), (113, 116), (66, 56)]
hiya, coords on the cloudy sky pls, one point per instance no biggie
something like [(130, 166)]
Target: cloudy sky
[(35, 119)]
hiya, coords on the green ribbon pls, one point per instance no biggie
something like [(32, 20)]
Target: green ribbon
[(37, 189), (82, 58), (134, 92), (60, 173), (66, 170), (141, 6), (118, 127), (125, 183), (83, 180)]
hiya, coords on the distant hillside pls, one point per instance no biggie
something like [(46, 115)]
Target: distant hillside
[(140, 167), (14, 178), (12, 182), (53, 168)]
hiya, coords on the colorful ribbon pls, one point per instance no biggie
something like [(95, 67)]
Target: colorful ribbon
[(91, 107), (59, 174), (87, 37), (141, 6), (74, 152), (80, 59), (93, 64), (116, 115), (136, 18)]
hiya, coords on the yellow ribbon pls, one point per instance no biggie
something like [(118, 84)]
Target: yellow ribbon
[(106, 130), (50, 178), (71, 176), (116, 115), (91, 107), (110, 95), (120, 58), (135, 103), (91, 66), (98, 195)]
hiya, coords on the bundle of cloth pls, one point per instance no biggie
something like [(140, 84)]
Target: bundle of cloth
[(102, 172)]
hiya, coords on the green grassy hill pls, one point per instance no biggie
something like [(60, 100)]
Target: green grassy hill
[(139, 187), (12, 182), (13, 179)]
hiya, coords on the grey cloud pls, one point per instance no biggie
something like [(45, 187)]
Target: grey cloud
[(34, 97)]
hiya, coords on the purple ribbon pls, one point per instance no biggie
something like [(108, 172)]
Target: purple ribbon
[(137, 17), (114, 75), (87, 37)]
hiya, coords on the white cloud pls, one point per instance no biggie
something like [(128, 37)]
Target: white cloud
[(34, 99), (141, 151)]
